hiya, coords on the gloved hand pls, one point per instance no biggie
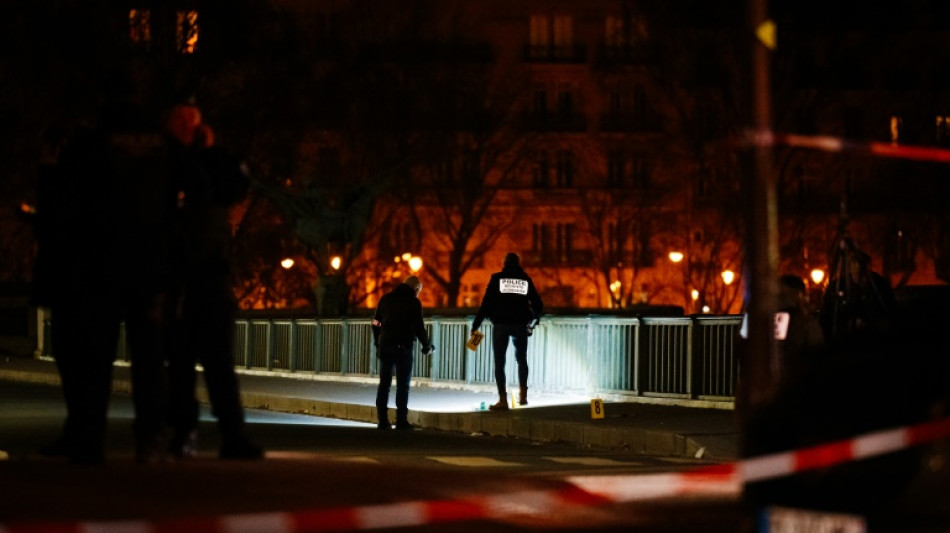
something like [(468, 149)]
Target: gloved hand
[(531, 325), (428, 349)]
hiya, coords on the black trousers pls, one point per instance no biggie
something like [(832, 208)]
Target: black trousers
[(398, 358), (201, 314), (85, 334), (518, 335), (84, 340)]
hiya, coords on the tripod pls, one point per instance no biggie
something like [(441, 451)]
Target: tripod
[(855, 294)]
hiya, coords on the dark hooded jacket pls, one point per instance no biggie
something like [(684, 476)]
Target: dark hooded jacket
[(510, 298), (398, 319)]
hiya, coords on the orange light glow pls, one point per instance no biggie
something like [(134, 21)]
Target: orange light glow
[(728, 277)]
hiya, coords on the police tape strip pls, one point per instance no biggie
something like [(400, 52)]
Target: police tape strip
[(828, 143), (717, 480)]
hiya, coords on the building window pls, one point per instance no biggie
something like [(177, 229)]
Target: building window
[(539, 36), (551, 37), (539, 104), (541, 168), (563, 36), (896, 127), (565, 104), (565, 168), (942, 132), (620, 32), (615, 168), (140, 26), (539, 241), (616, 238), (553, 243), (640, 170), (187, 35), (565, 238)]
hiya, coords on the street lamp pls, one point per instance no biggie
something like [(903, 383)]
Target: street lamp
[(817, 276), (676, 257), (728, 277), (287, 263), (415, 264), (336, 262)]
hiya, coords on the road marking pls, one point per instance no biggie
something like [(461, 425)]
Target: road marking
[(591, 461), (476, 462)]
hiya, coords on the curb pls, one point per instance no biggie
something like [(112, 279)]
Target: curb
[(637, 440)]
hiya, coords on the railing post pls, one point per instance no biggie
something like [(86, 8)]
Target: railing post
[(318, 356), (635, 362), (591, 382), (469, 355), (292, 346), (436, 339), (640, 365), (344, 346), (269, 352), (247, 344), (691, 358)]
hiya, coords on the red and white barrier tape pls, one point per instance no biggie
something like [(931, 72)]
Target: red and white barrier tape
[(718, 480), (828, 143)]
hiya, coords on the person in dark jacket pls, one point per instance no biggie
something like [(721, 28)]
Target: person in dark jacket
[(205, 183), (513, 305), (99, 226), (396, 325)]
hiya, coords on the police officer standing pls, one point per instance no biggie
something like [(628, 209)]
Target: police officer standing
[(204, 185), (513, 305), (397, 323)]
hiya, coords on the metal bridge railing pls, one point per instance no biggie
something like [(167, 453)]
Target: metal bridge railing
[(679, 359)]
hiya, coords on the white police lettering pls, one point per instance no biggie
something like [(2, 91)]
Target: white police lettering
[(513, 286)]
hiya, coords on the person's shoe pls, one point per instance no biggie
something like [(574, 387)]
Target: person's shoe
[(240, 448), (523, 397), (184, 445), (405, 426), (384, 426), (502, 405)]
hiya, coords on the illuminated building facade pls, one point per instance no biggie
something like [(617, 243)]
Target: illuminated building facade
[(586, 136)]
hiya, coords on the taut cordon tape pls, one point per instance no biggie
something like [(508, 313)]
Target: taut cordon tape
[(827, 143), (582, 491)]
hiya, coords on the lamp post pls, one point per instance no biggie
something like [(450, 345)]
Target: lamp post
[(677, 257)]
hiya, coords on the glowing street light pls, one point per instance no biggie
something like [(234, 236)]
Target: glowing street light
[(336, 262), (415, 264), (817, 276), (728, 277), (676, 257), (694, 294), (287, 263)]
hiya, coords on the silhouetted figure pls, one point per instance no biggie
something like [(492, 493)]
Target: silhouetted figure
[(858, 307), (513, 305), (99, 226), (397, 324), (204, 184)]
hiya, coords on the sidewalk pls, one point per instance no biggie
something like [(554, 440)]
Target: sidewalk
[(652, 429)]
